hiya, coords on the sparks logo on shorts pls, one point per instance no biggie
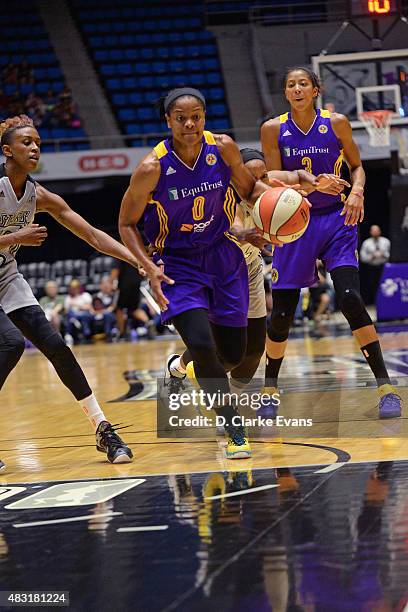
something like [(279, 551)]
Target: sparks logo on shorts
[(286, 151), (274, 275), (173, 193), (186, 227), (323, 129), (211, 159)]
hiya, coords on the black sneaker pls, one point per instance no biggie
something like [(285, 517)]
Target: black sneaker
[(2, 466), (174, 384), (108, 441)]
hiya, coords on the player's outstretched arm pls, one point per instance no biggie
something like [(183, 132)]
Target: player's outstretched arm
[(57, 207), (354, 205), (142, 184)]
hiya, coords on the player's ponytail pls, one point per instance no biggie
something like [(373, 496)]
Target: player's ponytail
[(8, 126)]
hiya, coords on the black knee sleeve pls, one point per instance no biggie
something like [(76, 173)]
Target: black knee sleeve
[(283, 313), (32, 322), (11, 349), (346, 282)]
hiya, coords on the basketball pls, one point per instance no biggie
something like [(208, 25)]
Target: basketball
[(281, 213)]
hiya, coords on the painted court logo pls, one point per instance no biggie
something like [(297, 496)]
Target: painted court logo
[(323, 129), (211, 159), (173, 193)]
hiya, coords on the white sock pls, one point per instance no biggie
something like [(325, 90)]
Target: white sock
[(92, 410), (176, 369)]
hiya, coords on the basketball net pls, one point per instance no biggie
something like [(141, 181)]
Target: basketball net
[(377, 124)]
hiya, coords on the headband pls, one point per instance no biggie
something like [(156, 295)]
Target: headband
[(182, 91), (249, 154)]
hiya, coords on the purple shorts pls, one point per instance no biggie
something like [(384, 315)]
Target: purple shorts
[(326, 238), (215, 278)]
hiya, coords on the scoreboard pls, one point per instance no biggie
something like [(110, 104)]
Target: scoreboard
[(374, 8)]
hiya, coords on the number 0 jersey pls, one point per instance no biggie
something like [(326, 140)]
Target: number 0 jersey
[(317, 151), (190, 207)]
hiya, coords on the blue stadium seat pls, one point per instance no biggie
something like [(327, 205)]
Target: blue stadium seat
[(10, 88), (146, 114), (120, 99), (101, 55), (213, 78), (135, 97), (146, 82), (127, 114), (132, 54), (194, 65), (113, 84), (108, 69), (132, 128), (159, 67), (197, 80), (130, 83), (124, 69)]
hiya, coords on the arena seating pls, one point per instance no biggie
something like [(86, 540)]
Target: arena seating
[(268, 12), (24, 38), (141, 52), (88, 273)]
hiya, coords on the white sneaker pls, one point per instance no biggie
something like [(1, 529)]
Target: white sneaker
[(69, 341)]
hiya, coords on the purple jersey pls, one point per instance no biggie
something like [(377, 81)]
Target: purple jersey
[(190, 207), (317, 151)]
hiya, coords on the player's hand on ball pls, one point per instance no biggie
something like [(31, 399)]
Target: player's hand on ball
[(31, 235), (330, 183), (254, 237), (274, 182), (156, 277), (353, 209)]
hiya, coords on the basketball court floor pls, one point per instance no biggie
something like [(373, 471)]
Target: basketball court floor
[(309, 523)]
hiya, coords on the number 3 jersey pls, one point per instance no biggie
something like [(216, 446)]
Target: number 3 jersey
[(14, 214), (190, 207), (317, 151)]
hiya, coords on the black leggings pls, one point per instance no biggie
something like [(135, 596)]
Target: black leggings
[(33, 324), (213, 348), (346, 282), (245, 371)]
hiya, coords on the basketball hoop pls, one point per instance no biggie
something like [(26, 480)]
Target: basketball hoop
[(377, 124)]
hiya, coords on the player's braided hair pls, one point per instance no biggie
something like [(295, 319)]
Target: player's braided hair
[(8, 126), (312, 76)]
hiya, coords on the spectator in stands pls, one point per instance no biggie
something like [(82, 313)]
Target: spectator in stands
[(52, 304), (35, 108), (10, 73), (25, 73), (128, 312), (374, 252), (321, 295), (103, 308), (78, 306)]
